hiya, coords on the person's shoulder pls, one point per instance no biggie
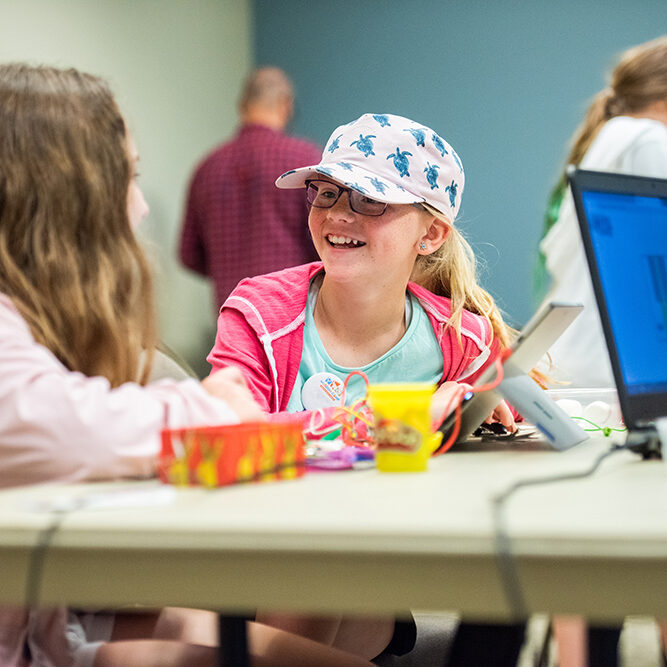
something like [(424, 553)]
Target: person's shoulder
[(652, 130), (473, 326), (12, 323), (439, 306), (630, 145), (212, 160), (476, 327), (9, 312), (299, 146), (284, 277), (221, 151), (426, 296), (279, 296), (625, 122), (630, 129), (273, 303), (279, 144), (6, 303)]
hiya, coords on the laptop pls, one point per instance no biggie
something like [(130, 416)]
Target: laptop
[(623, 221), (519, 389)]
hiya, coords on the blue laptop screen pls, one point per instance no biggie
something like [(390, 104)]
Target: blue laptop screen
[(629, 235)]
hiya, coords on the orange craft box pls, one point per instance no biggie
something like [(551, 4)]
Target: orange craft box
[(214, 456)]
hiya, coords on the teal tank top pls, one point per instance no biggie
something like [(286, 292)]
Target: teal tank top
[(417, 357)]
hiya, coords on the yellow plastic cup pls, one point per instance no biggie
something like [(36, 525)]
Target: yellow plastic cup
[(403, 426)]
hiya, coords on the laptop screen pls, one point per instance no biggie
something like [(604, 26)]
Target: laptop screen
[(624, 226)]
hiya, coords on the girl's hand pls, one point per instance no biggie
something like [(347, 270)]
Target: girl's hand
[(502, 414), (448, 394), (445, 399), (229, 385)]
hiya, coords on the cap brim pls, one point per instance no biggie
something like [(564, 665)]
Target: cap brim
[(354, 177)]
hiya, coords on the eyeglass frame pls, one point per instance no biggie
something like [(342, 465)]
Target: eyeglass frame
[(341, 189)]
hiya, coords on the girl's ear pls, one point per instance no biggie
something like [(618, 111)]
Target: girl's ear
[(435, 235)]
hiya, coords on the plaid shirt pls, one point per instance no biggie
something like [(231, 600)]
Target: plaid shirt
[(237, 222)]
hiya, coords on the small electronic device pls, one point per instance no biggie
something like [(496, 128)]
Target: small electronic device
[(519, 388), (623, 221)]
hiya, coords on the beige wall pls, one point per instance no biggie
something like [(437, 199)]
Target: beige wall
[(176, 67)]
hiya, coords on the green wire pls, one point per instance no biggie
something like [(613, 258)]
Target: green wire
[(606, 430)]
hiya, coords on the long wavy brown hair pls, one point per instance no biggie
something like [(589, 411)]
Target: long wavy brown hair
[(69, 259)]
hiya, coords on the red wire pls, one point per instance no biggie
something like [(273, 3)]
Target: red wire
[(347, 379), (500, 360)]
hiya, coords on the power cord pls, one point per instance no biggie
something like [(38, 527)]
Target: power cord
[(41, 548), (509, 575)]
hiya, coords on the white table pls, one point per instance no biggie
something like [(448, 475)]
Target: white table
[(362, 541)]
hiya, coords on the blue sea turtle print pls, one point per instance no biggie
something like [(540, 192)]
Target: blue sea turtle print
[(382, 119), (418, 134), (439, 144), (457, 160), (287, 173), (432, 174), (346, 165), (334, 144), (401, 161), (377, 184), (356, 186), (364, 144), (324, 170), (451, 189)]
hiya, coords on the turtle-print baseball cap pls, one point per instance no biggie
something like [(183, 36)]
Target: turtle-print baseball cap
[(391, 159)]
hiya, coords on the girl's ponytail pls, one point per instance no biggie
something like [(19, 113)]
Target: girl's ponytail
[(601, 109), (638, 80)]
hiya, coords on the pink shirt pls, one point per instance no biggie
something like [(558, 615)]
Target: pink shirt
[(56, 424), (260, 330)]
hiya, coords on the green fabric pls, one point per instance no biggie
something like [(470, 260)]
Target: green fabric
[(541, 283)]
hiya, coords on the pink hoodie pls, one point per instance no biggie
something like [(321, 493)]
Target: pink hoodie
[(260, 330)]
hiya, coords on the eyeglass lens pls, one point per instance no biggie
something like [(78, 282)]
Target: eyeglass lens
[(323, 194)]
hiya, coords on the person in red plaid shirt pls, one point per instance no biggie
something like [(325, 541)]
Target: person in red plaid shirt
[(237, 223)]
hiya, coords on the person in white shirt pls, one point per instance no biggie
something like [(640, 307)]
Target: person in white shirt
[(624, 131)]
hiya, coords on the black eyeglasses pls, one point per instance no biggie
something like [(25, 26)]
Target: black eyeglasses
[(324, 194)]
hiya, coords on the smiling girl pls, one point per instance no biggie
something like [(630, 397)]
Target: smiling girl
[(395, 296)]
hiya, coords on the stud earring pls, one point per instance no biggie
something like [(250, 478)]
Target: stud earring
[(422, 245)]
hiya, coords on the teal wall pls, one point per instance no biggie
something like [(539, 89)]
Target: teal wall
[(505, 82)]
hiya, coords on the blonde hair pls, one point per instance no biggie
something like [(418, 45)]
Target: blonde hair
[(451, 271), (638, 80), (69, 259)]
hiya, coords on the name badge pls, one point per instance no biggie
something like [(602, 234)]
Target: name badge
[(322, 390)]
